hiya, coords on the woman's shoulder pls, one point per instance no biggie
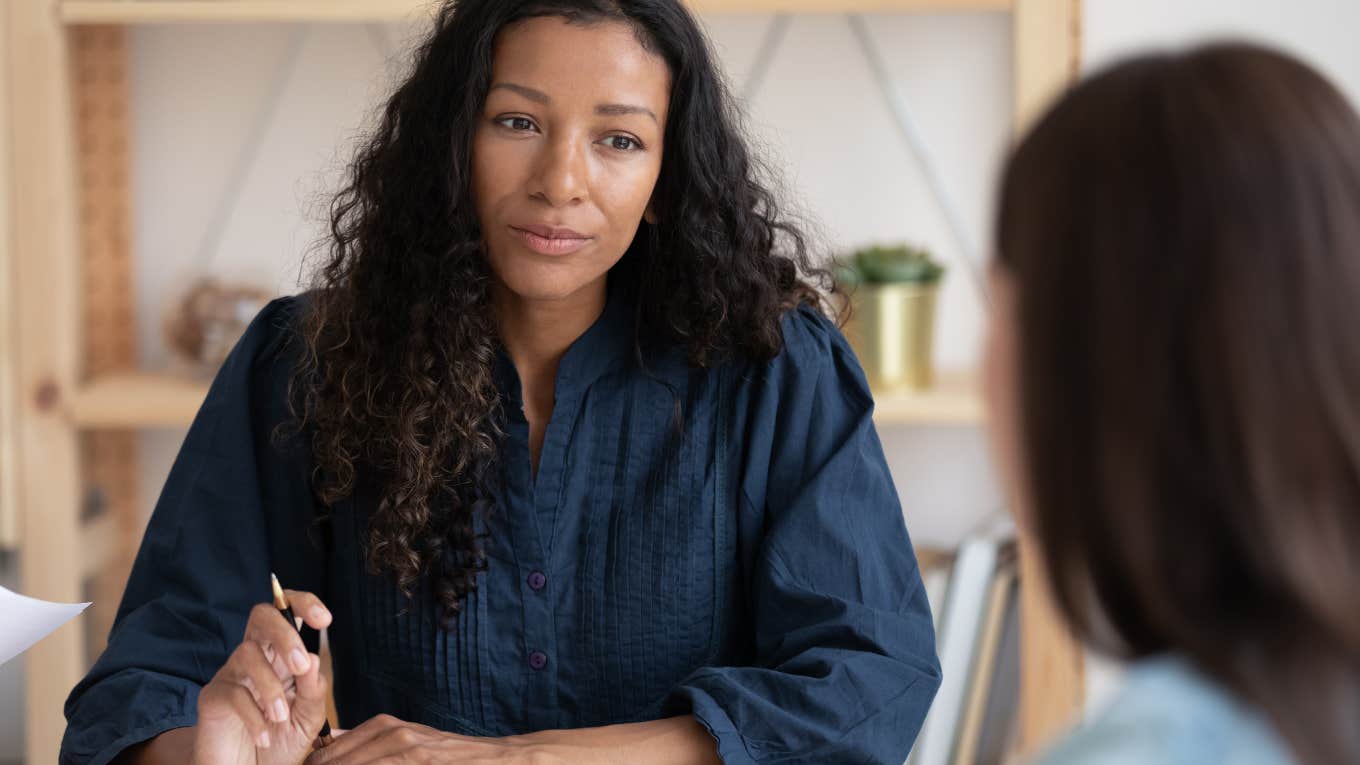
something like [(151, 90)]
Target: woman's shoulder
[(271, 332), (811, 342), (814, 374), (1168, 712), (260, 364), (810, 334), (813, 354)]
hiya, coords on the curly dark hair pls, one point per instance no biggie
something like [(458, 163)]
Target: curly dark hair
[(400, 342)]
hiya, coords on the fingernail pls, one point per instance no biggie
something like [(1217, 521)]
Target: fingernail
[(299, 660), (320, 614), (263, 739), (280, 711)]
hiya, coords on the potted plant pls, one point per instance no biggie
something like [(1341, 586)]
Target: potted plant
[(893, 292)]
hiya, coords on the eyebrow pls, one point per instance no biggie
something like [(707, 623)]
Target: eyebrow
[(539, 96), (620, 109)]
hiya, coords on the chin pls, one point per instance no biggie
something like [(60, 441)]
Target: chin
[(542, 284), (533, 279)]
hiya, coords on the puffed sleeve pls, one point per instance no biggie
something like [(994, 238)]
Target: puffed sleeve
[(845, 664), (235, 507)]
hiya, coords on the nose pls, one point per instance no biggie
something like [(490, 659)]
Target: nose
[(562, 171)]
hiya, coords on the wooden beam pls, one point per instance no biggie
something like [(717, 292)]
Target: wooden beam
[(1046, 53), (1052, 662), (1046, 39), (9, 454), (46, 297), (108, 457), (182, 11), (100, 544)]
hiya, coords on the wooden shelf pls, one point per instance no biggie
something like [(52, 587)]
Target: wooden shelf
[(151, 400), (194, 11), (138, 400), (953, 401), (45, 300)]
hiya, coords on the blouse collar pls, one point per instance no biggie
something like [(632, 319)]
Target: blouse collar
[(604, 346)]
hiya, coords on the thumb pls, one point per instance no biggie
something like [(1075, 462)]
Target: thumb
[(309, 706)]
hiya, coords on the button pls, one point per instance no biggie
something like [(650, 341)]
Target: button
[(537, 580), (538, 660)]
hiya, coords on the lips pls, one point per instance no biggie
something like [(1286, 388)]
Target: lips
[(551, 240)]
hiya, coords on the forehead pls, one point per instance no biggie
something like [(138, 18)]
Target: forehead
[(598, 62)]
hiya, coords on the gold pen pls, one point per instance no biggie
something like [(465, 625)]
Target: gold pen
[(281, 603)]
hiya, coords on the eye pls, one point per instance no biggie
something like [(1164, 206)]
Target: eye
[(518, 124), (623, 143)]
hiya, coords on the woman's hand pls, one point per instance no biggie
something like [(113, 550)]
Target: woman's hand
[(267, 703), (385, 739)]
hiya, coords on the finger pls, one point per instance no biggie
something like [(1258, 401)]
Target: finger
[(248, 661), (276, 660), (342, 747), (249, 685), (310, 608), (309, 705), (235, 697), (268, 627), (388, 745)]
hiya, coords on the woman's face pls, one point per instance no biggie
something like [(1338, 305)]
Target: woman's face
[(999, 388), (567, 152)]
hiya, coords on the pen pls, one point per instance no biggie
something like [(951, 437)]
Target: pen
[(281, 603)]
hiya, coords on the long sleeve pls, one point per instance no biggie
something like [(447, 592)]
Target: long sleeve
[(845, 665), (235, 507)]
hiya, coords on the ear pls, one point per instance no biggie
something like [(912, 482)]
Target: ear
[(649, 214)]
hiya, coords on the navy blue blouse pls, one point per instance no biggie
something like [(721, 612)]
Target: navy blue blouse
[(750, 567)]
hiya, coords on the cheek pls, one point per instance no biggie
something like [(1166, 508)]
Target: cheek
[(480, 174), (494, 171), (625, 195), (999, 381)]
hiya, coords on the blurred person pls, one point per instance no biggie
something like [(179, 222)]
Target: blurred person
[(560, 448), (1173, 369)]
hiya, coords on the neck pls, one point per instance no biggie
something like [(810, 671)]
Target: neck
[(537, 333)]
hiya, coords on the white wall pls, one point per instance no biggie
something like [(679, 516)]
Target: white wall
[(1322, 32)]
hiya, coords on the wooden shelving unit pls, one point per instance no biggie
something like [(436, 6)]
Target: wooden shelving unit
[(151, 400), (954, 400), (137, 400), (9, 456), (58, 392), (196, 11)]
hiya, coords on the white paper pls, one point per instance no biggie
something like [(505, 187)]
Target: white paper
[(24, 621)]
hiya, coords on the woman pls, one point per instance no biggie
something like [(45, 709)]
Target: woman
[(560, 450), (1173, 367)]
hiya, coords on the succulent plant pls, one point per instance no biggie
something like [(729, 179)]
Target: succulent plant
[(898, 264)]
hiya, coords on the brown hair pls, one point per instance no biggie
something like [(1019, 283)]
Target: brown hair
[(1183, 232)]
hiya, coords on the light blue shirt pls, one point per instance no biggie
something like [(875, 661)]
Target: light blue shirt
[(1169, 713)]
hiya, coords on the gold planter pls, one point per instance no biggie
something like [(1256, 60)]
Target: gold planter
[(892, 329)]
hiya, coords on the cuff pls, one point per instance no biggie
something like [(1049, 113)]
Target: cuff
[(731, 747)]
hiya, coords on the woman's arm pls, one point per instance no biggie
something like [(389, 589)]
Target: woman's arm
[(844, 666), (205, 558), (672, 741), (173, 747)]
